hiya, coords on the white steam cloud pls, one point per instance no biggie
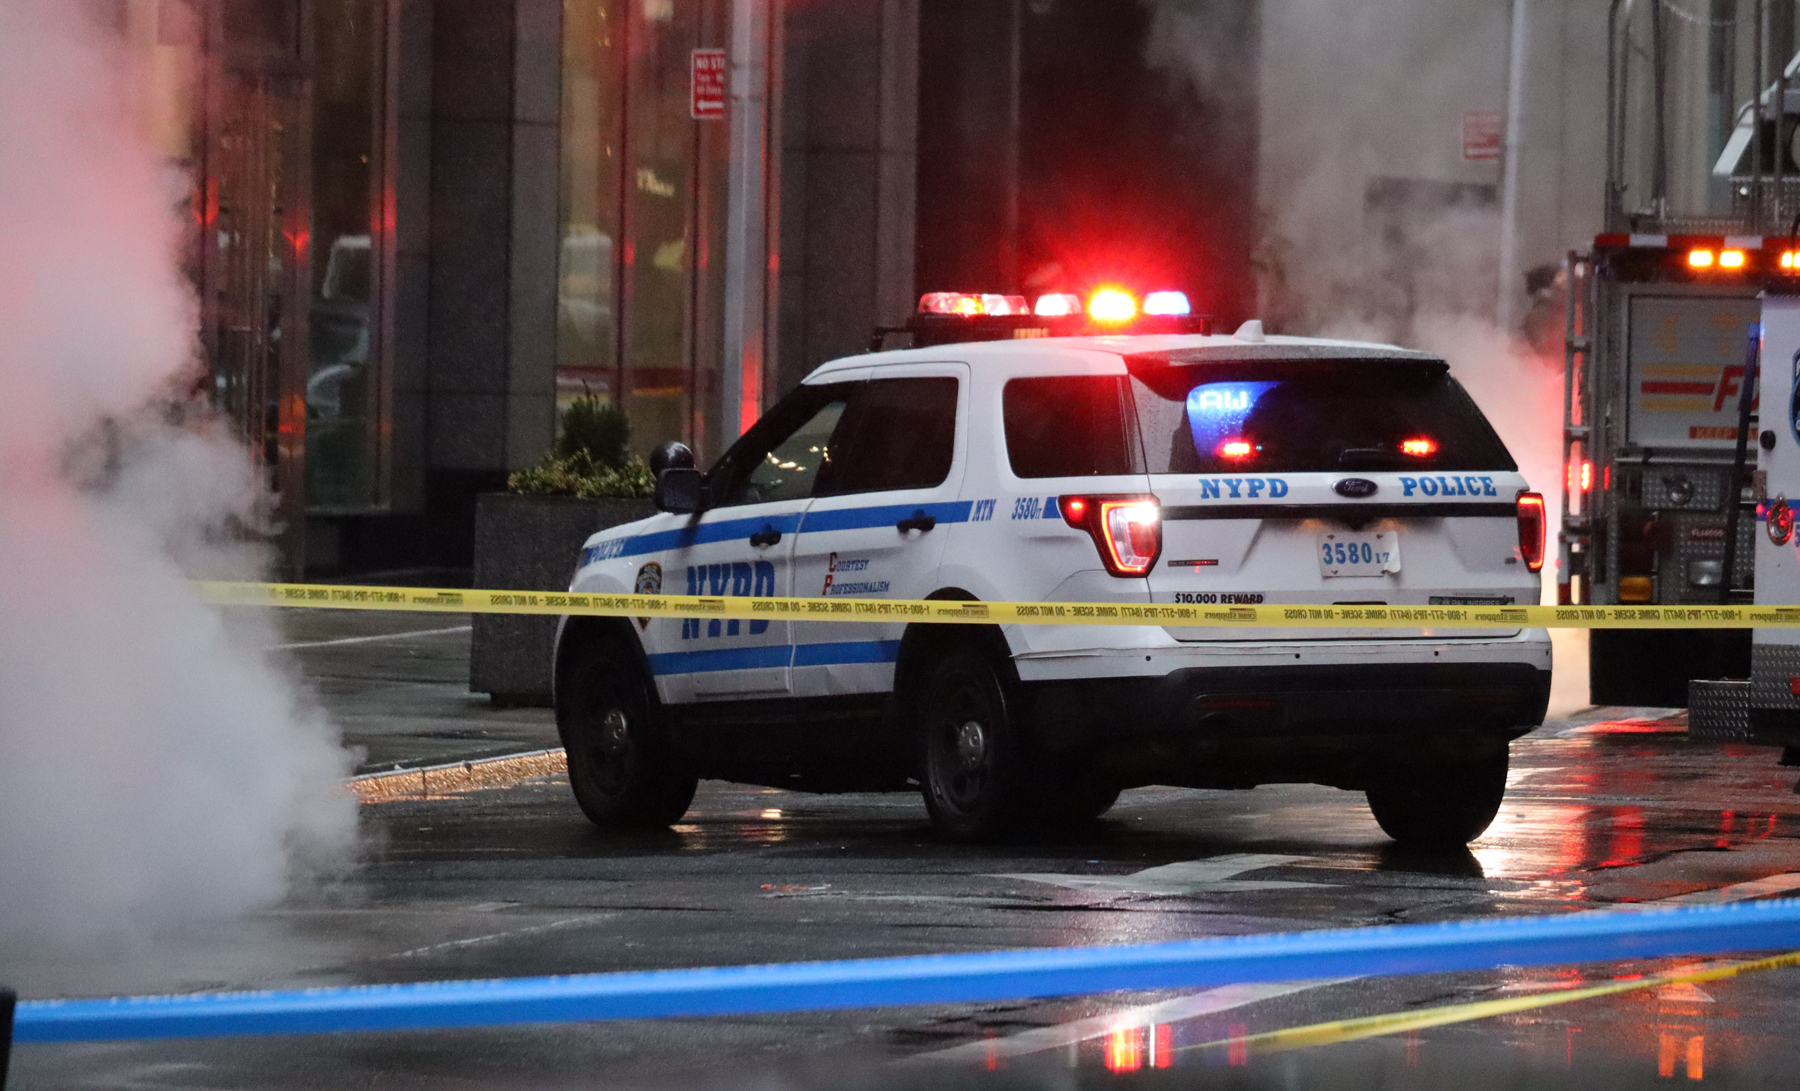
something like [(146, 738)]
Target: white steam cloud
[(155, 770), (1370, 223)]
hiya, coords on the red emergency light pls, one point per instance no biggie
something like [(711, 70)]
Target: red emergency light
[(946, 318)]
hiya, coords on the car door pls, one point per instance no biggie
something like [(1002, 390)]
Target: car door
[(875, 530), (743, 545)]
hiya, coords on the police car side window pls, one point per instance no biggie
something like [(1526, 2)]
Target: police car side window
[(1068, 426), (784, 456), (901, 434)]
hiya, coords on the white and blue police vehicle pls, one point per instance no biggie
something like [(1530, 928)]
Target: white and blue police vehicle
[(1137, 468)]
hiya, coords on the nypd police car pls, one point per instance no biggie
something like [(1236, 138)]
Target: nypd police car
[(1162, 468)]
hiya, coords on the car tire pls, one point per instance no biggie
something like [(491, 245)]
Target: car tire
[(977, 777), (622, 768), (1440, 806)]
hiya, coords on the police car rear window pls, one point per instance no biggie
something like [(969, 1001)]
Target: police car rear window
[(1312, 415), (1068, 426)]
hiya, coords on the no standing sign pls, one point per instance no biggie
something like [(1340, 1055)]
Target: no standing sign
[(706, 98)]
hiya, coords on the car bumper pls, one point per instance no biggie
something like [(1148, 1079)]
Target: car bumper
[(1239, 726)]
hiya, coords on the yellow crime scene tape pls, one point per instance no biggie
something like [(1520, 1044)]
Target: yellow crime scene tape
[(1229, 616), (1375, 1026)]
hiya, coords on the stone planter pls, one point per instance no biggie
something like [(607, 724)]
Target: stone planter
[(529, 543)]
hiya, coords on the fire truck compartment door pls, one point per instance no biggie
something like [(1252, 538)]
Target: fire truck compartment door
[(1686, 360)]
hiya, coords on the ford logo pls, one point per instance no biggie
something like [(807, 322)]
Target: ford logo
[(1355, 487)]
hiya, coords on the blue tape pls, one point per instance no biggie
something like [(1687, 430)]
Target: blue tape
[(936, 979)]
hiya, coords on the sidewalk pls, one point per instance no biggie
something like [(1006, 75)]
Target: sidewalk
[(397, 685)]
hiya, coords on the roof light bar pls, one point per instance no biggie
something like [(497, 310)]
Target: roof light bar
[(1112, 305), (1058, 305), (1167, 303), (969, 305)]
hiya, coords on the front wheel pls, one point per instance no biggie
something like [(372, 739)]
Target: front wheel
[(1440, 806), (976, 779), (623, 771)]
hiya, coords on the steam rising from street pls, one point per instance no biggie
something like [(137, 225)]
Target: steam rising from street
[(154, 769), (1370, 227)]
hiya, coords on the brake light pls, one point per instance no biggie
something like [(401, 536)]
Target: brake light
[(1790, 260), (1236, 450), (1531, 530), (1112, 305), (1700, 259), (1167, 303), (1731, 259), (1058, 305), (1419, 447), (1127, 530)]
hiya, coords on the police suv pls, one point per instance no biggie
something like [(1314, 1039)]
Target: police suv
[(1163, 468)]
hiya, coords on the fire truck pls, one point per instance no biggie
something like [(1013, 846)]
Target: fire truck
[(1661, 496)]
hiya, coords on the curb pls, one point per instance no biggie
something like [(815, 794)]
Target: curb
[(457, 778)]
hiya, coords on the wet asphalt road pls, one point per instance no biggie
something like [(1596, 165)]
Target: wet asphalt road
[(1610, 807)]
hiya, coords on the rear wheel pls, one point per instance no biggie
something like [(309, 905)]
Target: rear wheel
[(1440, 806), (977, 778), (624, 772)]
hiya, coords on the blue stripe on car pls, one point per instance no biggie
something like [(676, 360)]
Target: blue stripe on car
[(699, 533), (776, 655), (846, 651), (956, 511)]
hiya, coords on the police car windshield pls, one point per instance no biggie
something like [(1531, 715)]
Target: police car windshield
[(1310, 415)]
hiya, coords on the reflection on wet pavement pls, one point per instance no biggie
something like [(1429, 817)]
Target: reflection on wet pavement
[(1618, 812)]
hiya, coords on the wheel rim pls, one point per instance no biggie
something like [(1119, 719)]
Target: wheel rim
[(962, 750), (608, 750)]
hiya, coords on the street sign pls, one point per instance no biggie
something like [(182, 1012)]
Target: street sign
[(1481, 131), (706, 101)]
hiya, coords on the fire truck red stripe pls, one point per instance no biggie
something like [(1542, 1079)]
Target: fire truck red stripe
[(1678, 388)]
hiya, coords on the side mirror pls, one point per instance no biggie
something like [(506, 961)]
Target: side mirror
[(671, 456), (681, 489)]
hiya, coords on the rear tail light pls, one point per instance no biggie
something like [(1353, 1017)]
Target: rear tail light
[(1531, 530), (1127, 530)]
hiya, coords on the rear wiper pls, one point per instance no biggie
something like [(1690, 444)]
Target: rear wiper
[(1371, 458)]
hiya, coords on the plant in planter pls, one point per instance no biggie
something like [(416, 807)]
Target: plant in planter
[(527, 539), (590, 458)]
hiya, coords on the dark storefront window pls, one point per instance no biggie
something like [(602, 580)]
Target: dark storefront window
[(587, 337), (643, 199), (344, 385)]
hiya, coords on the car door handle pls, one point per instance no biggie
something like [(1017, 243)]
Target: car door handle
[(917, 521), (765, 537)]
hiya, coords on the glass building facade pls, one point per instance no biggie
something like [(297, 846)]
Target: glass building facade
[(639, 308), (319, 136)]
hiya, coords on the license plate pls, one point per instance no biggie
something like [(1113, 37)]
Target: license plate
[(1359, 553)]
